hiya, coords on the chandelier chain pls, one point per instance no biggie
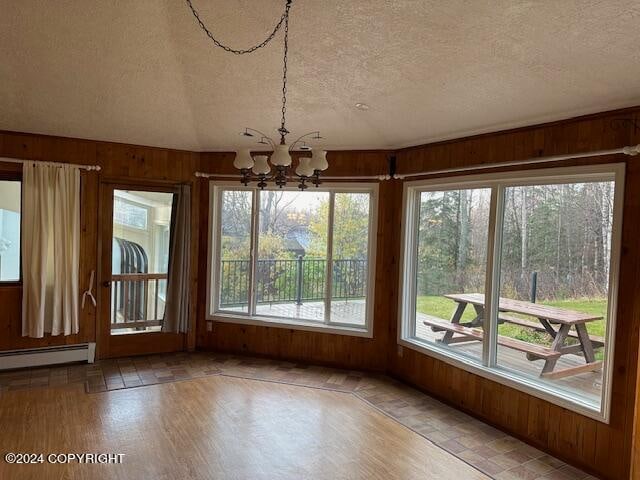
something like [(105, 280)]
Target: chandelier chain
[(283, 129), (283, 19), (309, 172)]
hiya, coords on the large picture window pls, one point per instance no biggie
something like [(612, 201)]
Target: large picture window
[(514, 275), (294, 258)]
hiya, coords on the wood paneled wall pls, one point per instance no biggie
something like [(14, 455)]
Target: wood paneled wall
[(601, 448), (118, 161)]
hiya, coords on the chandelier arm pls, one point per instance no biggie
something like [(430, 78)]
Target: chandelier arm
[(253, 177), (317, 132), (283, 19), (264, 135)]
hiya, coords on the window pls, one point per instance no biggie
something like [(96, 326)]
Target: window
[(312, 266), (513, 276), (10, 200), (129, 214)]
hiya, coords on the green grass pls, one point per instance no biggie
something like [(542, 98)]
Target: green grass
[(441, 307)]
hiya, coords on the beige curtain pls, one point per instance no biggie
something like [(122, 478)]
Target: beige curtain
[(176, 313), (50, 249)]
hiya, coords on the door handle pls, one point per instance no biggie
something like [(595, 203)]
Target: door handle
[(106, 283)]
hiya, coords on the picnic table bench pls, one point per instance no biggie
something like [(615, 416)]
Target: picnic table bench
[(557, 322)]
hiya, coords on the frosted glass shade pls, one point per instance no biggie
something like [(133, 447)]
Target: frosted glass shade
[(243, 159), (281, 157), (304, 168), (261, 167), (319, 160)]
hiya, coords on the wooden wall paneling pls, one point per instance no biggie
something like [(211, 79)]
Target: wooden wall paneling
[(589, 443), (89, 251), (203, 241), (520, 410), (634, 310), (196, 208), (28, 147), (387, 263), (102, 329), (626, 344), (11, 301)]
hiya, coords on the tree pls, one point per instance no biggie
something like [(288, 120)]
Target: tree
[(562, 232), (438, 242), (350, 227), (464, 206)]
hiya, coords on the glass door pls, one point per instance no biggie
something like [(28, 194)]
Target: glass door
[(135, 239)]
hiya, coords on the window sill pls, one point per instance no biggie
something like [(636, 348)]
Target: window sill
[(291, 324), (509, 379)]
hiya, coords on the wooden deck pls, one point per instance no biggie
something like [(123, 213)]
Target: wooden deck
[(351, 312), (588, 383)]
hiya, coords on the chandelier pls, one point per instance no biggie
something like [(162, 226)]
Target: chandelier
[(257, 168)]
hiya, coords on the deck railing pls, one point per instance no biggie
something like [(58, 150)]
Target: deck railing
[(292, 280), (137, 300)]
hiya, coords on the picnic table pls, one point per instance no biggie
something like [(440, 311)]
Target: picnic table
[(557, 322)]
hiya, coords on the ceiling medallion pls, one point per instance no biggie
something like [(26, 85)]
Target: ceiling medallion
[(257, 168)]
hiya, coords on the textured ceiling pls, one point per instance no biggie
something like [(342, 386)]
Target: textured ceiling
[(141, 71)]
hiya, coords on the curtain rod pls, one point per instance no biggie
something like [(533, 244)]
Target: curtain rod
[(89, 168), (233, 175), (630, 150)]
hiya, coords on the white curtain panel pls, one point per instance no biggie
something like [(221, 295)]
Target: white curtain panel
[(50, 249)]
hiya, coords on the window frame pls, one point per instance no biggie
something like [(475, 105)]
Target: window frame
[(15, 177), (213, 313), (487, 366)]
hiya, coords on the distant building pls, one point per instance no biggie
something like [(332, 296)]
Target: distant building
[(297, 240)]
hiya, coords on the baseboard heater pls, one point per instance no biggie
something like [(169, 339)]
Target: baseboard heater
[(36, 357)]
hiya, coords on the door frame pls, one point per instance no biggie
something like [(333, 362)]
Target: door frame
[(113, 346)]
